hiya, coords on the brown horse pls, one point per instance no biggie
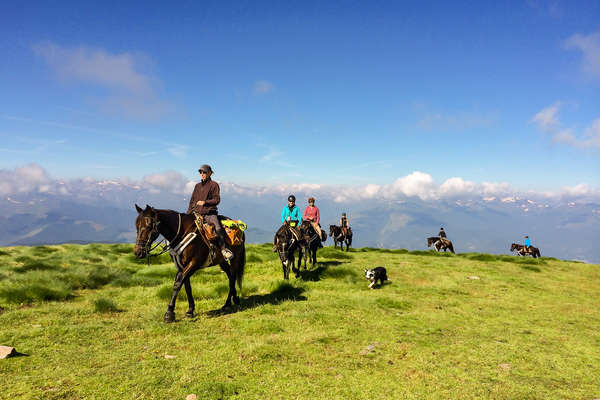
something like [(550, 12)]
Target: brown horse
[(338, 236), (520, 249), (180, 229), (440, 244)]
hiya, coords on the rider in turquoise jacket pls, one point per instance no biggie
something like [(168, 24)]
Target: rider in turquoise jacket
[(291, 212)]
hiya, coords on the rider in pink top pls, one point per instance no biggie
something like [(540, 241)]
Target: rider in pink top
[(311, 213)]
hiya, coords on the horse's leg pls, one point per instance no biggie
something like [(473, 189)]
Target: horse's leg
[(284, 267), (170, 314), (232, 293), (314, 255), (188, 292)]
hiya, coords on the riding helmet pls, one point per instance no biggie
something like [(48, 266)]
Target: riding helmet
[(291, 197), (205, 167)]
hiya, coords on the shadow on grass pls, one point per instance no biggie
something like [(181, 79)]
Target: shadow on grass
[(314, 275), (285, 292)]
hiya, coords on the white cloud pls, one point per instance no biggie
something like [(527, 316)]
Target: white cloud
[(547, 118), (589, 45), (416, 184), (130, 92), (263, 87), (27, 178), (455, 186), (170, 181)]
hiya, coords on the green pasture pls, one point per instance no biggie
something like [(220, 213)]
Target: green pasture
[(88, 321)]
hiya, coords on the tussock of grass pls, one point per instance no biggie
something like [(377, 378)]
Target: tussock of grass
[(4, 253), (335, 254), (36, 266), (253, 258), (104, 305)]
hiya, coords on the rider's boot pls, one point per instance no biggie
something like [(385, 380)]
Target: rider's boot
[(227, 254)]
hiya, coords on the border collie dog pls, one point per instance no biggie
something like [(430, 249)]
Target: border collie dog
[(376, 274)]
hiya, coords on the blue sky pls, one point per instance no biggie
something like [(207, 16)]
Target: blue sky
[(304, 92)]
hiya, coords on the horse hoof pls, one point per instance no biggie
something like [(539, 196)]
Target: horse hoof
[(169, 317), (189, 314)]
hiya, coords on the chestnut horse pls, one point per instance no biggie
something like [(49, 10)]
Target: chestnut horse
[(178, 228)]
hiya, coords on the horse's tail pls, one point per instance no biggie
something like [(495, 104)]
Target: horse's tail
[(240, 270), (350, 240), (451, 247), (537, 252)]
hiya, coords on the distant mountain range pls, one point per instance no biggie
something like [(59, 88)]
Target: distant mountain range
[(91, 211)]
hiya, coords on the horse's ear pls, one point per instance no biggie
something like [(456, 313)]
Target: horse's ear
[(139, 210)]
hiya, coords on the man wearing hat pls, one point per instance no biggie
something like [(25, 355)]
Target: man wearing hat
[(204, 201)]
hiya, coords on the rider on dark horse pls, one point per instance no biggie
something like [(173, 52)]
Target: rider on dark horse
[(204, 201), (290, 215), (527, 245), (344, 224), (311, 214)]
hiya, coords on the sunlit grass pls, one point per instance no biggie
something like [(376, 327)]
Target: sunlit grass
[(444, 326)]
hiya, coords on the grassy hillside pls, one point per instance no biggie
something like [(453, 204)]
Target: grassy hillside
[(470, 326)]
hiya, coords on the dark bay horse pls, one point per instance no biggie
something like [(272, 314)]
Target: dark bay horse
[(286, 243), (175, 227), (520, 249), (338, 236), (440, 244), (312, 242)]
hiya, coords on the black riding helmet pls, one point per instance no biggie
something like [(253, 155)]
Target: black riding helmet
[(292, 198)]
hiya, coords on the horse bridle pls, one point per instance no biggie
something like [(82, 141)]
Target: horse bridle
[(147, 245)]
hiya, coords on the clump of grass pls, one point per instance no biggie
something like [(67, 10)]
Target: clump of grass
[(482, 257), (42, 250), (36, 266), (253, 258), (34, 287), (336, 254), (432, 253), (531, 268), (104, 305), (4, 253)]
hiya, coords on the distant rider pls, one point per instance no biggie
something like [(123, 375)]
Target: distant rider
[(442, 233), (344, 224), (311, 213), (204, 201), (527, 243)]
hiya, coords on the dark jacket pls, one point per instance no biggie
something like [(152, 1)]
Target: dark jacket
[(442, 234), (209, 192)]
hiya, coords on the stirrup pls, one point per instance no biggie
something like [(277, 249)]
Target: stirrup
[(227, 254)]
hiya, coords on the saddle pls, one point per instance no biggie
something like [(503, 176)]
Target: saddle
[(234, 230)]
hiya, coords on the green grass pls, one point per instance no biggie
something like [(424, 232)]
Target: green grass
[(445, 326)]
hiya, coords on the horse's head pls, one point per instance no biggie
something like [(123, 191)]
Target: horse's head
[(332, 229), (146, 225), (431, 241), (513, 247)]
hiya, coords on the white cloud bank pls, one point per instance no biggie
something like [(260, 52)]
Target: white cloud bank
[(130, 92), (421, 185)]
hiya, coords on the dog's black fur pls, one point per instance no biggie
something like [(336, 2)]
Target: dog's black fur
[(376, 274)]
